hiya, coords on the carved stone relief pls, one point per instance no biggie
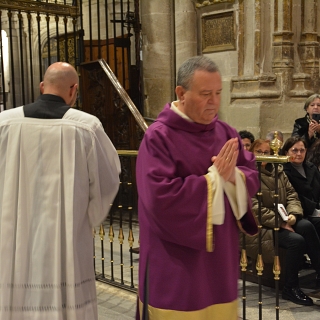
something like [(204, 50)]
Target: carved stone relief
[(218, 32)]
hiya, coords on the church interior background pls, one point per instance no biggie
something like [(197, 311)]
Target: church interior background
[(267, 53), (269, 62)]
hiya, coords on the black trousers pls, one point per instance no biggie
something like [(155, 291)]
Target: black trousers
[(304, 240), (316, 222)]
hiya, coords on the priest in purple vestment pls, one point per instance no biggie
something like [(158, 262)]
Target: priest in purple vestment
[(195, 181)]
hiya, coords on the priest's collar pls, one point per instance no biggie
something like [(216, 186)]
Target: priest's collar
[(174, 118), (174, 108), (51, 97)]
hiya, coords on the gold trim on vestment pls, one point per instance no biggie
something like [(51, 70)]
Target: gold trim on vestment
[(222, 311), (209, 233), (242, 175)]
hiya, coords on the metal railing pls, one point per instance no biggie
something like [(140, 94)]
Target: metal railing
[(115, 263), (276, 160)]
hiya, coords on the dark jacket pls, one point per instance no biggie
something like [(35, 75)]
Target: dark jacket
[(308, 188), (287, 196), (301, 127)]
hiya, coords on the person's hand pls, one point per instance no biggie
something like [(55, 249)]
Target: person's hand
[(314, 126), (291, 219), (226, 160), (285, 225)]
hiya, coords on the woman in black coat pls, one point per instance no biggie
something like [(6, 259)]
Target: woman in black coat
[(306, 127), (305, 178), (313, 154)]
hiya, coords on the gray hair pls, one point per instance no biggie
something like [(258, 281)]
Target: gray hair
[(311, 99), (190, 66)]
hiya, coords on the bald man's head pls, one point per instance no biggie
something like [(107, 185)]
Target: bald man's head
[(61, 79)]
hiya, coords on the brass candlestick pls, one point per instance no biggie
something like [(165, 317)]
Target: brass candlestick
[(275, 144)]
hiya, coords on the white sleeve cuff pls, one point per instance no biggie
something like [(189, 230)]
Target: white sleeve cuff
[(237, 195), (218, 209)]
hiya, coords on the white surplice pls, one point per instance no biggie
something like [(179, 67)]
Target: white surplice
[(57, 180)]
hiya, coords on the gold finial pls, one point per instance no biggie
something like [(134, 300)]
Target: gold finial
[(275, 144), (259, 265), (130, 238), (101, 232), (121, 236), (243, 260), (276, 268), (111, 233)]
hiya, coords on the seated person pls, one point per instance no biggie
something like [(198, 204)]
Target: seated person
[(313, 154), (297, 235), (306, 127), (305, 178), (247, 138)]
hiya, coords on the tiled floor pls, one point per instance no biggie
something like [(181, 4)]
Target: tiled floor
[(118, 304), (287, 311), (115, 303)]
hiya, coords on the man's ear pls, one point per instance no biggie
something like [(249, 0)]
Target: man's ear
[(73, 89), (41, 86), (180, 92)]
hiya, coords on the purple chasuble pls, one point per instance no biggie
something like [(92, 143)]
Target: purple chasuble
[(173, 158)]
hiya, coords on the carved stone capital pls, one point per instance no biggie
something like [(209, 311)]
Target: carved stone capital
[(308, 50), (282, 37), (259, 86), (301, 85), (283, 50), (204, 3), (309, 37)]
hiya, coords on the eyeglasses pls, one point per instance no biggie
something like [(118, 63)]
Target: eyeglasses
[(295, 151), (262, 153)]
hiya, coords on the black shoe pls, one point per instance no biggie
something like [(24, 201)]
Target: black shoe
[(296, 295)]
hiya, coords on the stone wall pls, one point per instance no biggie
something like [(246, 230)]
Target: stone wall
[(268, 69)]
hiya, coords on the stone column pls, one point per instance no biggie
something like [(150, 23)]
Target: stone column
[(241, 39), (251, 60), (308, 47), (257, 38), (254, 83), (157, 54), (186, 31), (283, 50), (170, 36)]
